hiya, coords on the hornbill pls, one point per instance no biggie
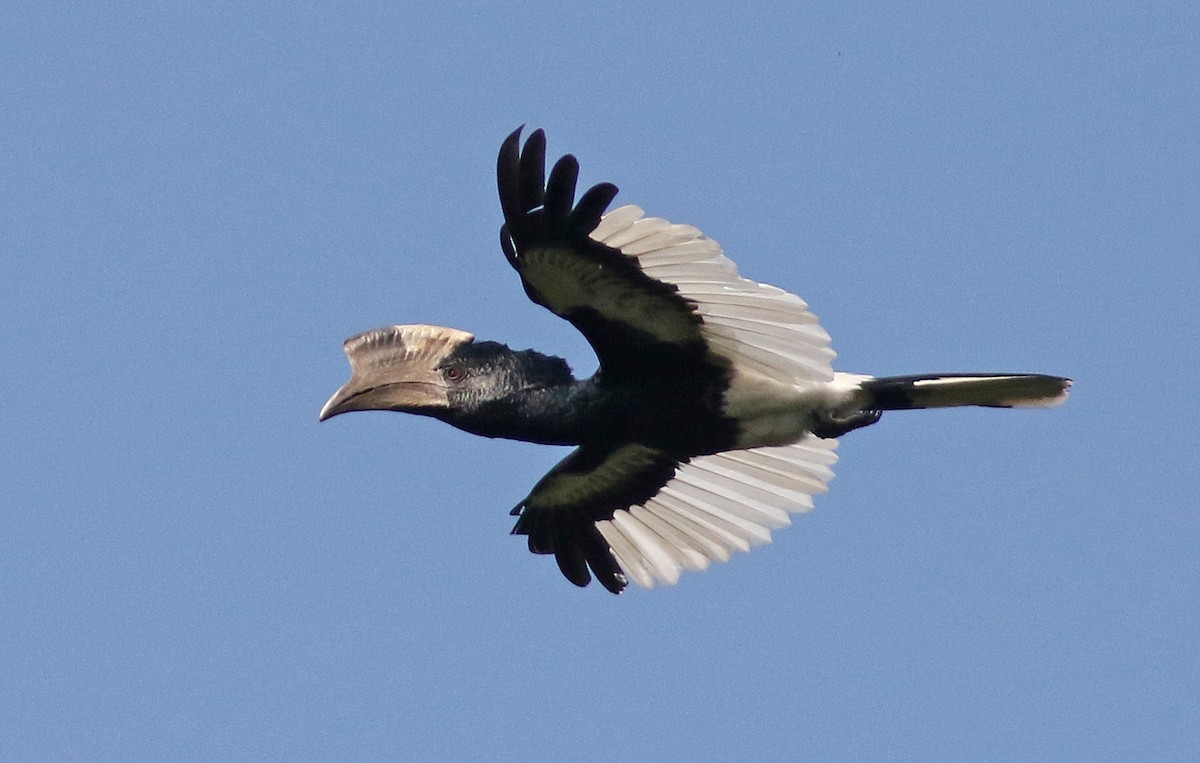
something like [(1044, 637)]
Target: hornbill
[(715, 410)]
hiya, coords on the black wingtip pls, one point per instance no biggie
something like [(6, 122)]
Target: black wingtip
[(537, 207), (591, 207), (601, 560), (560, 192), (614, 583), (511, 146), (569, 554), (532, 170), (579, 548), (508, 177)]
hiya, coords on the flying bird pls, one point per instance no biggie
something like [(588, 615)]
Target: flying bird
[(715, 410)]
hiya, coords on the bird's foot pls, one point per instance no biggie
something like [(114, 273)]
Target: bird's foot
[(830, 426)]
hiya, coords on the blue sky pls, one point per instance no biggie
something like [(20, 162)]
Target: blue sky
[(199, 203)]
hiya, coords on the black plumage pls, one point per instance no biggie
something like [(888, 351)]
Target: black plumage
[(712, 414)]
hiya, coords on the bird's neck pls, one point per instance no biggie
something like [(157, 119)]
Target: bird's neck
[(566, 413)]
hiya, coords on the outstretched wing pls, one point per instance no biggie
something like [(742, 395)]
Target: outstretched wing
[(561, 514), (636, 324), (638, 513), (648, 295)]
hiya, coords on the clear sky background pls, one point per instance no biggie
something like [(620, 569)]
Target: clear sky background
[(198, 204)]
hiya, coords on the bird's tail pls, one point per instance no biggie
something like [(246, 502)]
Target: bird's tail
[(898, 393)]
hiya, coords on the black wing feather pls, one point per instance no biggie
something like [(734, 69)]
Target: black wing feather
[(588, 486), (590, 209), (600, 559), (560, 194), (533, 170), (637, 325), (508, 179), (568, 552)]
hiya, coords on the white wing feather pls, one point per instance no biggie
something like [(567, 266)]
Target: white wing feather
[(715, 505), (754, 325), (718, 504)]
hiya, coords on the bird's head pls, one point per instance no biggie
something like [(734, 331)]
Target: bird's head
[(399, 368), (436, 371)]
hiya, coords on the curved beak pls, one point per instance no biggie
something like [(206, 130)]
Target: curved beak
[(408, 395)]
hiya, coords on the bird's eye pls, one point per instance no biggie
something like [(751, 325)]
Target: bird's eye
[(455, 373)]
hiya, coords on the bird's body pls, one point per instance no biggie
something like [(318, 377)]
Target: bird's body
[(715, 410)]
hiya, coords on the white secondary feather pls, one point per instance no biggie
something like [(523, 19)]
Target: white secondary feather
[(715, 505), (756, 326)]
